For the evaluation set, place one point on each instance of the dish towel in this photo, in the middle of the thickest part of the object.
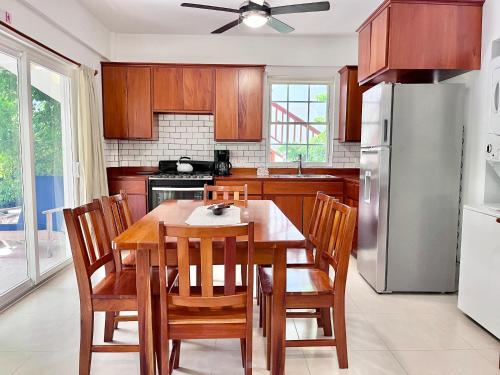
(201, 216)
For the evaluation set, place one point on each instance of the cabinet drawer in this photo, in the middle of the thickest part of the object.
(303, 187)
(254, 187)
(352, 190)
(130, 186)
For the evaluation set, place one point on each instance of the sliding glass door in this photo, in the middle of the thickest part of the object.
(13, 257)
(36, 178)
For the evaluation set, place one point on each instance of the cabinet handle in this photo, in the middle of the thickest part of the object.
(498, 220)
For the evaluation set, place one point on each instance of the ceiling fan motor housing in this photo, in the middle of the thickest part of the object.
(249, 8)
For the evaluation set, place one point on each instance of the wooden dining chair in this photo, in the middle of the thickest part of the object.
(303, 257)
(206, 311)
(312, 288)
(118, 219)
(91, 249)
(238, 195)
(225, 194)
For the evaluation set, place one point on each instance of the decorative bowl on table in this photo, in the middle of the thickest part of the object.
(218, 209)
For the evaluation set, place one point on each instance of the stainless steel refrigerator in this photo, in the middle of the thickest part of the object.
(410, 177)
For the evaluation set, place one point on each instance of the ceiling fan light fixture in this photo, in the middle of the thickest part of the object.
(255, 19)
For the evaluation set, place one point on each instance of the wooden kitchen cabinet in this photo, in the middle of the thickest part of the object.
(183, 89)
(291, 206)
(238, 103)
(127, 102)
(350, 105)
(351, 198)
(420, 41)
(137, 193)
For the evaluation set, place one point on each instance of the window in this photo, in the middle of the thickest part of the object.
(299, 122)
(36, 180)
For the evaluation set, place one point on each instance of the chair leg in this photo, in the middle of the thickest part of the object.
(244, 274)
(327, 321)
(340, 334)
(319, 320)
(109, 326)
(259, 291)
(177, 344)
(116, 321)
(268, 301)
(262, 317)
(86, 338)
(157, 334)
(243, 351)
(248, 355)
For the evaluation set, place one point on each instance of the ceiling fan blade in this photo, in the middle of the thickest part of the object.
(209, 7)
(230, 25)
(301, 8)
(280, 26)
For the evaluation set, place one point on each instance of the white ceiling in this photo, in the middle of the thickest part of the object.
(168, 17)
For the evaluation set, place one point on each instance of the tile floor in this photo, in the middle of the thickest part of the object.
(396, 334)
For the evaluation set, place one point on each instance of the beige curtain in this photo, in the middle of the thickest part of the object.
(93, 181)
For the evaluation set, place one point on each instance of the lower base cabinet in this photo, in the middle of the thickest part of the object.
(137, 194)
(291, 206)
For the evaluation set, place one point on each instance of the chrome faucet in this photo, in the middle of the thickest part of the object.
(299, 173)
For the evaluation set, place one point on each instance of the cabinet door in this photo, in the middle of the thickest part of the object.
(364, 44)
(291, 206)
(114, 96)
(198, 89)
(250, 93)
(167, 89)
(379, 42)
(140, 116)
(226, 104)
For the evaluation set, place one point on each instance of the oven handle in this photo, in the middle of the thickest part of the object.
(177, 189)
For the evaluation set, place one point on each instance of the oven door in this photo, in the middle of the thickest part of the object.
(158, 194)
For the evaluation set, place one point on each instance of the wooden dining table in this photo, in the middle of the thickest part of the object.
(274, 233)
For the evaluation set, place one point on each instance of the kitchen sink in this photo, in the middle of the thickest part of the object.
(301, 175)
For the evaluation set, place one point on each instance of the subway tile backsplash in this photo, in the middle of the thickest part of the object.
(193, 136)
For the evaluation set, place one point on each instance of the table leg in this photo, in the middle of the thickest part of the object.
(278, 313)
(144, 302)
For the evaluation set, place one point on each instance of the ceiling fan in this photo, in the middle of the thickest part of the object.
(257, 13)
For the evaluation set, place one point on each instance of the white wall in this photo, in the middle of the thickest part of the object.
(213, 49)
(64, 26)
(478, 109)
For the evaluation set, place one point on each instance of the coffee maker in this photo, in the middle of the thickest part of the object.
(222, 164)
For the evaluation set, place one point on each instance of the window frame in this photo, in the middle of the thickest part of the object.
(331, 83)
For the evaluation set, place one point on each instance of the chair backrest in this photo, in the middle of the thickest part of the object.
(225, 194)
(319, 218)
(117, 213)
(90, 243)
(223, 236)
(337, 247)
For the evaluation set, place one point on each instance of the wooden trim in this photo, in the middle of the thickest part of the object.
(40, 44)
(387, 3)
(187, 65)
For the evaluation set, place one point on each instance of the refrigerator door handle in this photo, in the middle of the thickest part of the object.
(386, 130)
(368, 187)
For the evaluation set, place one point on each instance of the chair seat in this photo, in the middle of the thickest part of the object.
(123, 284)
(299, 257)
(306, 281)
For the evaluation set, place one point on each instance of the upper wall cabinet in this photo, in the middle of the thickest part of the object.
(350, 103)
(238, 103)
(183, 89)
(127, 102)
(420, 41)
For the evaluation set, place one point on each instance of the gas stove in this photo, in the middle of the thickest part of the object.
(169, 184)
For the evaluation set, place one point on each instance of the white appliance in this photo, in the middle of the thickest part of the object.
(493, 148)
(495, 96)
(411, 148)
(479, 285)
